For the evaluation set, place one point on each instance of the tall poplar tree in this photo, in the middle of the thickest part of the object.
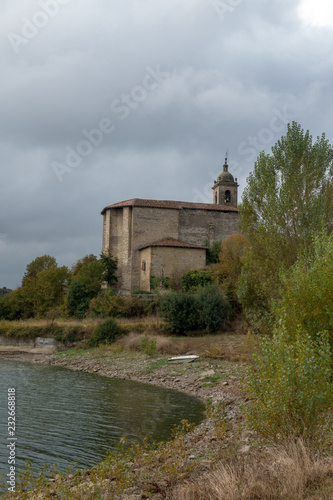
(288, 197)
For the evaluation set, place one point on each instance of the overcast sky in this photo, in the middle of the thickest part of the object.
(107, 100)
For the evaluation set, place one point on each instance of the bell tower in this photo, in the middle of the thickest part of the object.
(225, 188)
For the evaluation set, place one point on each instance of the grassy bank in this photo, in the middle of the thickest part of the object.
(221, 459)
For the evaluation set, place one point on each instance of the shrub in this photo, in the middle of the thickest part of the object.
(229, 267)
(289, 386)
(213, 252)
(212, 307)
(13, 307)
(148, 345)
(307, 290)
(192, 280)
(107, 304)
(105, 333)
(180, 310)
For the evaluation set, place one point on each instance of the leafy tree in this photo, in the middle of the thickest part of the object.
(12, 306)
(43, 285)
(213, 252)
(289, 386)
(89, 274)
(82, 262)
(111, 265)
(307, 291)
(229, 267)
(288, 196)
(38, 265)
(4, 290)
(84, 286)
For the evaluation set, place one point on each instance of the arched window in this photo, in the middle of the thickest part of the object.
(215, 197)
(227, 196)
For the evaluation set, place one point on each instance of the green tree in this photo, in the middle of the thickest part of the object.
(307, 291)
(82, 262)
(84, 286)
(229, 266)
(12, 306)
(288, 196)
(213, 252)
(111, 265)
(38, 265)
(43, 285)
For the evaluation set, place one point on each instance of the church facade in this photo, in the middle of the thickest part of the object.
(167, 238)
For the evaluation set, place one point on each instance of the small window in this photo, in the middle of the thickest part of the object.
(143, 265)
(227, 196)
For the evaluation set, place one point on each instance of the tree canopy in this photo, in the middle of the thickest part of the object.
(288, 197)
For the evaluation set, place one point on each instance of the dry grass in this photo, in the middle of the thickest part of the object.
(164, 345)
(293, 472)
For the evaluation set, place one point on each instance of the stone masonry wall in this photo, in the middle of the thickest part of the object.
(150, 225)
(171, 261)
(128, 229)
(200, 227)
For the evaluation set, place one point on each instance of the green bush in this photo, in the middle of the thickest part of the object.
(105, 333)
(212, 307)
(69, 334)
(148, 345)
(107, 304)
(187, 311)
(307, 290)
(192, 280)
(289, 386)
(180, 310)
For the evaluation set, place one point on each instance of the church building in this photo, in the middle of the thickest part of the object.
(163, 238)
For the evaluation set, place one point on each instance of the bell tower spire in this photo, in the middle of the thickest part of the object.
(225, 187)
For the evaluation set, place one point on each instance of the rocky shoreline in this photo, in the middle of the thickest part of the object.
(212, 380)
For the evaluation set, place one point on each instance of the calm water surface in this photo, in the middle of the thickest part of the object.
(69, 417)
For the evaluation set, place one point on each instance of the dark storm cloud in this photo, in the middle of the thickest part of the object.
(229, 74)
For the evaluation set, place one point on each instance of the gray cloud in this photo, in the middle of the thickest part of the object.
(230, 79)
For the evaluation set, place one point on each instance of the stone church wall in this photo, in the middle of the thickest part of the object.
(150, 225)
(127, 229)
(172, 261)
(202, 227)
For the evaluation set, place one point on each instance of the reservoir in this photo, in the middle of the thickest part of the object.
(68, 417)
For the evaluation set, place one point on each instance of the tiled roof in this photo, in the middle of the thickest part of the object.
(176, 205)
(172, 242)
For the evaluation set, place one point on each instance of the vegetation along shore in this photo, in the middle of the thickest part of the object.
(260, 317)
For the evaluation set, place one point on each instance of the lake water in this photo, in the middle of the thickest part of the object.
(69, 417)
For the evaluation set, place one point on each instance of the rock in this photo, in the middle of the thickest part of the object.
(244, 449)
(207, 373)
(192, 457)
(225, 383)
(246, 436)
